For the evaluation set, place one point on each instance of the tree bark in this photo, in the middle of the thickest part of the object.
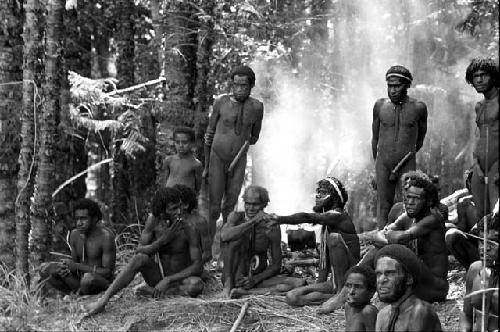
(10, 99)
(125, 75)
(32, 75)
(41, 209)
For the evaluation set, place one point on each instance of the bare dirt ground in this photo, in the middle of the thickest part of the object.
(209, 312)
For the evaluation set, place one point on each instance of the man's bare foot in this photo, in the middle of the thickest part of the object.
(144, 290)
(334, 303)
(236, 293)
(227, 292)
(95, 308)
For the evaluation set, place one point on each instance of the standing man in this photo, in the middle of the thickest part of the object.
(398, 128)
(235, 124)
(483, 75)
(397, 276)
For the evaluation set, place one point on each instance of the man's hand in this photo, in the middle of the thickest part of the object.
(169, 232)
(63, 270)
(391, 236)
(70, 265)
(245, 282)
(161, 288)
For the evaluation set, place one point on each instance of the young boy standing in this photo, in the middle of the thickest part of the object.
(360, 314)
(183, 167)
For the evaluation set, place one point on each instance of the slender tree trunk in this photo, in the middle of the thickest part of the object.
(204, 86)
(10, 99)
(125, 75)
(41, 209)
(181, 28)
(32, 74)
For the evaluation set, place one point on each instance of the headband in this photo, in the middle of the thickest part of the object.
(398, 75)
(337, 189)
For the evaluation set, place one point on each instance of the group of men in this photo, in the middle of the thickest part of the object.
(407, 261)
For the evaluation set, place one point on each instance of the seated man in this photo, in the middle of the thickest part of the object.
(93, 254)
(168, 256)
(245, 241)
(398, 274)
(473, 305)
(190, 214)
(339, 242)
(458, 242)
(398, 208)
(360, 314)
(421, 230)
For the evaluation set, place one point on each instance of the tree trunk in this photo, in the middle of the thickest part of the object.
(41, 210)
(180, 72)
(10, 99)
(125, 75)
(32, 74)
(203, 90)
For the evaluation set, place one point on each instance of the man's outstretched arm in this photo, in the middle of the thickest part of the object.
(328, 219)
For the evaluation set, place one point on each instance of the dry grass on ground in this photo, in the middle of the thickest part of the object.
(209, 312)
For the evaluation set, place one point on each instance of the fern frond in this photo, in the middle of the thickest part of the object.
(82, 120)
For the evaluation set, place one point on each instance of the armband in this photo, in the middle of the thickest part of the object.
(209, 137)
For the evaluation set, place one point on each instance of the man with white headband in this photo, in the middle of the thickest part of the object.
(339, 247)
(398, 130)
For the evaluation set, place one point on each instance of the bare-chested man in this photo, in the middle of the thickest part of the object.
(473, 305)
(459, 243)
(397, 270)
(183, 167)
(421, 230)
(399, 127)
(235, 123)
(245, 241)
(93, 254)
(483, 75)
(168, 256)
(339, 243)
(360, 314)
(190, 214)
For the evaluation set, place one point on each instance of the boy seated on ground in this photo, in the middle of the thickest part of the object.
(360, 314)
(245, 240)
(168, 256)
(182, 167)
(93, 254)
(473, 310)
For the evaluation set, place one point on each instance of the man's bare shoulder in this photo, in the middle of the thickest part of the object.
(422, 310)
(384, 313)
(234, 218)
(106, 233)
(222, 98)
(256, 102)
(369, 310)
(419, 105)
(380, 102)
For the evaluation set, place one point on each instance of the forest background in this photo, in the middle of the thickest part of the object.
(91, 90)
